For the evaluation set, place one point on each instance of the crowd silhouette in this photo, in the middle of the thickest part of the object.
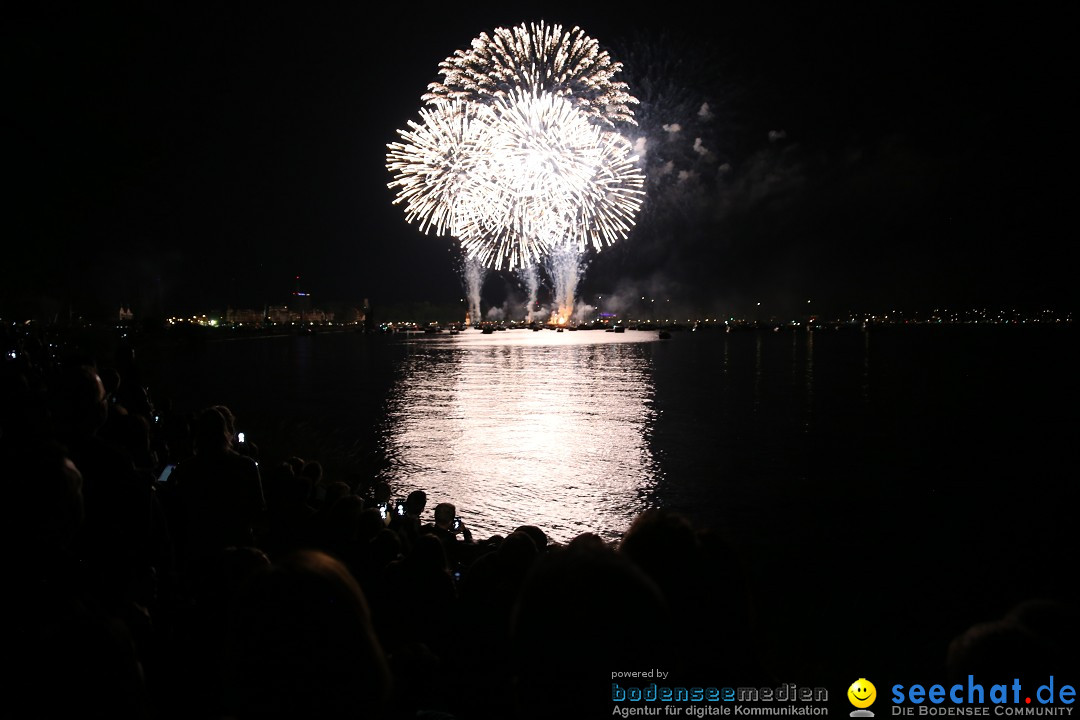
(235, 590)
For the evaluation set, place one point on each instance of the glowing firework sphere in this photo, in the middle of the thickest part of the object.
(537, 58)
(440, 168)
(516, 154)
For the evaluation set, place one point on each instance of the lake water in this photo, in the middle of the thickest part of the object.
(871, 482)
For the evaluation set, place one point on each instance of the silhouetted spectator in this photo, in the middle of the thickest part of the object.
(289, 517)
(43, 506)
(422, 603)
(301, 645)
(575, 594)
(704, 587)
(336, 531)
(190, 687)
(488, 591)
(408, 526)
(383, 549)
(131, 391)
(338, 490)
(238, 441)
(313, 472)
(219, 494)
(538, 536)
(297, 464)
(62, 649)
(175, 430)
(587, 540)
(362, 485)
(423, 595)
(455, 536)
(381, 493)
(110, 380)
(123, 536)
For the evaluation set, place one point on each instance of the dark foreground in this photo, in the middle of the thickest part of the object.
(145, 612)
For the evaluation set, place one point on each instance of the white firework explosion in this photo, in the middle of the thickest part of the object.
(516, 154)
(537, 58)
(561, 181)
(438, 166)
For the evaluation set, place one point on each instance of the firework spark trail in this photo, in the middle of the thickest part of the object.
(564, 269)
(474, 274)
(530, 276)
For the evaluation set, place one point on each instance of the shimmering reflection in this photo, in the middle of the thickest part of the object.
(519, 427)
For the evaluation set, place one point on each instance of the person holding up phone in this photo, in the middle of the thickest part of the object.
(454, 534)
(408, 525)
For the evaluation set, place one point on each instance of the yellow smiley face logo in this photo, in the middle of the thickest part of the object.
(862, 693)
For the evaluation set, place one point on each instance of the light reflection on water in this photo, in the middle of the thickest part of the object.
(519, 427)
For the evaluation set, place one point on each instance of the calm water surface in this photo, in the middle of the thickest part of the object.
(523, 427)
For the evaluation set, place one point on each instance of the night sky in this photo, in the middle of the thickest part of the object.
(182, 157)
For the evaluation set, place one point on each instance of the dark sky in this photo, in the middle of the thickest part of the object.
(180, 157)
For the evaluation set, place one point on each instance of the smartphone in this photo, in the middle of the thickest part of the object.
(240, 437)
(165, 473)
(457, 522)
(401, 509)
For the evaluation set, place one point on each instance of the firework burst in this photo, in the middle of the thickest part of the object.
(516, 154)
(537, 58)
(438, 166)
(554, 179)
